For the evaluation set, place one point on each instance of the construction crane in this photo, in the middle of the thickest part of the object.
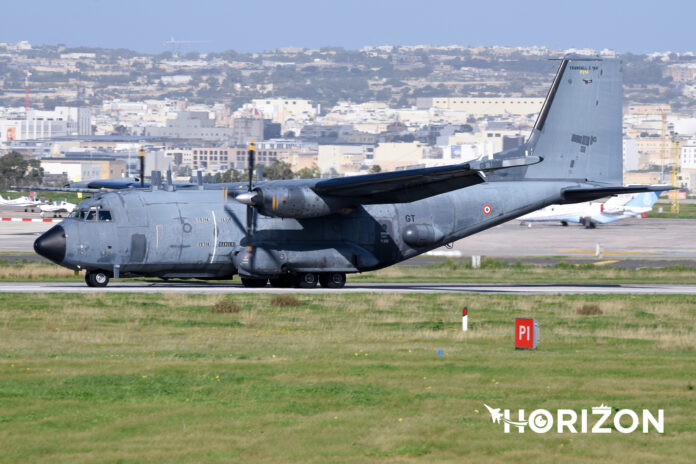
(665, 148)
(27, 74)
(674, 194)
(176, 44)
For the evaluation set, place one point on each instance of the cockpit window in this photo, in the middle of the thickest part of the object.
(93, 214)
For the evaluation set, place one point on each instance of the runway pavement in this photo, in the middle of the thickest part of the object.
(633, 238)
(203, 287)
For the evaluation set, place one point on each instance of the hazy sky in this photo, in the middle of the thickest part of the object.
(636, 26)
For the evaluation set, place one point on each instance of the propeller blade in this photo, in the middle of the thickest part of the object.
(230, 212)
(252, 150)
(142, 167)
(249, 197)
(249, 220)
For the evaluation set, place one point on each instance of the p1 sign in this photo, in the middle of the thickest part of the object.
(526, 333)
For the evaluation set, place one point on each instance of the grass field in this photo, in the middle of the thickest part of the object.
(686, 211)
(447, 271)
(335, 378)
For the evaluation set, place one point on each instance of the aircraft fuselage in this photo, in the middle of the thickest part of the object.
(201, 234)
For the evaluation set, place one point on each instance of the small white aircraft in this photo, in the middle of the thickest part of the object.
(591, 213)
(56, 208)
(21, 201)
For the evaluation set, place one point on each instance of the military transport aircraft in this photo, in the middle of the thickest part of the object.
(300, 232)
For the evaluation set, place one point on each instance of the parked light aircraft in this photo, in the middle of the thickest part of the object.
(591, 213)
(20, 201)
(300, 232)
(56, 208)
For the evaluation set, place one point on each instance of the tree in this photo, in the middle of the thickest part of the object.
(375, 168)
(184, 171)
(13, 168)
(120, 130)
(34, 175)
(309, 173)
(278, 170)
(232, 175)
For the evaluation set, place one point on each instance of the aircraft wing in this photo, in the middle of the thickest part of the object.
(414, 184)
(56, 189)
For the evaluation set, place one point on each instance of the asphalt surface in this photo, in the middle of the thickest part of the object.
(227, 288)
(633, 238)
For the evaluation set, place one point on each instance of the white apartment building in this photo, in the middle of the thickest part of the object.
(480, 106)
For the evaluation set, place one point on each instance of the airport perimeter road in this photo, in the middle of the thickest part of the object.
(198, 287)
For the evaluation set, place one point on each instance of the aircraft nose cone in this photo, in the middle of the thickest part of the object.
(51, 244)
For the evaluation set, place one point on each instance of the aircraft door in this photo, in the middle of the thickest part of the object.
(197, 226)
(386, 247)
(165, 242)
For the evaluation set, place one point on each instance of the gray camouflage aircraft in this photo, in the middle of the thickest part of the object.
(301, 232)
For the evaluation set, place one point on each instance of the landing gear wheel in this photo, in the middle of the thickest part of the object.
(333, 280)
(306, 280)
(253, 283)
(96, 279)
(564, 223)
(282, 281)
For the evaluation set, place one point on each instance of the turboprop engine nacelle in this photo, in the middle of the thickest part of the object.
(291, 202)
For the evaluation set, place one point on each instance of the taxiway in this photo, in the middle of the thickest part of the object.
(208, 287)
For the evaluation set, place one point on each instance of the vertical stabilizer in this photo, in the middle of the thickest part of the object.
(578, 131)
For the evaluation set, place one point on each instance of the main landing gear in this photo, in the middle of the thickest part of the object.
(333, 280)
(96, 278)
(302, 280)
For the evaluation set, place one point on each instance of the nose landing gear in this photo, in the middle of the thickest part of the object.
(96, 279)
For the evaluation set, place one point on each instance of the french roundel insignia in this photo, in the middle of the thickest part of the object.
(487, 209)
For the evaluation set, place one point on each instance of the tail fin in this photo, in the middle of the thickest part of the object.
(578, 131)
(645, 199)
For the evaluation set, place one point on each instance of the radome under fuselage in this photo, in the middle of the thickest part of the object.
(200, 233)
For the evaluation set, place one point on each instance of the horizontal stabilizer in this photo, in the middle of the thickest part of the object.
(579, 195)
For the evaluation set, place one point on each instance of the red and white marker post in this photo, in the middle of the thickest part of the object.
(465, 320)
